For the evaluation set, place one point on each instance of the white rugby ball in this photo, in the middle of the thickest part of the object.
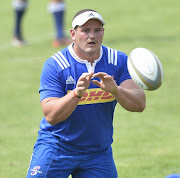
(145, 69)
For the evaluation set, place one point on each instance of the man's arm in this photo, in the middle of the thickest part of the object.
(128, 94)
(57, 109)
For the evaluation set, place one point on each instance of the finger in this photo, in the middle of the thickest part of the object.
(84, 75)
(100, 74)
(95, 82)
(87, 75)
(90, 76)
(80, 83)
(109, 77)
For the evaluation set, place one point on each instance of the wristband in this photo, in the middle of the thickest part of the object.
(76, 95)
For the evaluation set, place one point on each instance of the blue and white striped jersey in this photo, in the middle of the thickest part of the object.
(90, 126)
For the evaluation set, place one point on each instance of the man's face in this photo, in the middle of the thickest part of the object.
(88, 37)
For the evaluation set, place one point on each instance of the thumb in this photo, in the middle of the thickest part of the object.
(90, 75)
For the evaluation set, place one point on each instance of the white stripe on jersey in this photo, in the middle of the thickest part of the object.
(65, 60)
(61, 60)
(109, 59)
(112, 56)
(58, 61)
(115, 60)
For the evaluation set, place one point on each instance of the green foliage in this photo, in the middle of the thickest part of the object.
(146, 145)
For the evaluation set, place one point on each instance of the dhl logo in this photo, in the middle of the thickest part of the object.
(95, 95)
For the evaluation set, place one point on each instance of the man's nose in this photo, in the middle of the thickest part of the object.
(92, 35)
(92, 38)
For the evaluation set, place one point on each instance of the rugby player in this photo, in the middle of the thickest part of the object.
(79, 89)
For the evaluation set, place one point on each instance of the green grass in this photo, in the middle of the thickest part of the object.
(146, 145)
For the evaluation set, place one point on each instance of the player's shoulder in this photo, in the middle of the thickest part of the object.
(110, 50)
(59, 60)
(114, 56)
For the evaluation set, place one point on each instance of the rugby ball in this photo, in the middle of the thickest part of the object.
(145, 68)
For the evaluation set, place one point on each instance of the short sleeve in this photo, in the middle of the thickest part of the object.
(123, 72)
(50, 82)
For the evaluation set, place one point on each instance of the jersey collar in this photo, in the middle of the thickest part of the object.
(71, 50)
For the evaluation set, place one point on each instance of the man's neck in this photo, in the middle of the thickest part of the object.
(90, 57)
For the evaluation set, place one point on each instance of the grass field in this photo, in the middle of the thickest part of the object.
(146, 145)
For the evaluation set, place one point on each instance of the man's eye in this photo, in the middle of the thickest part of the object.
(98, 30)
(86, 30)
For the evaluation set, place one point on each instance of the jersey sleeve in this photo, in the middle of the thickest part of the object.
(124, 73)
(50, 82)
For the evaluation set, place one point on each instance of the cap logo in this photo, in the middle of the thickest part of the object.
(91, 14)
(84, 17)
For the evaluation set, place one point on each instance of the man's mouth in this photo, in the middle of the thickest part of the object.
(92, 43)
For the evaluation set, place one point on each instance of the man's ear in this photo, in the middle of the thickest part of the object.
(73, 34)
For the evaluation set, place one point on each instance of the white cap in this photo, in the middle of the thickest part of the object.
(85, 16)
